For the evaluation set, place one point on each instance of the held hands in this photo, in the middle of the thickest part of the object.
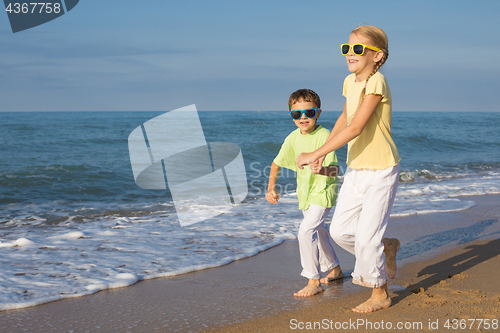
(272, 196)
(316, 166)
(304, 159)
(307, 158)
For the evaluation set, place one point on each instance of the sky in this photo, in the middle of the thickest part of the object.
(158, 55)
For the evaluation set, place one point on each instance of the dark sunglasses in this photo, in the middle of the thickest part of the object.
(357, 49)
(297, 114)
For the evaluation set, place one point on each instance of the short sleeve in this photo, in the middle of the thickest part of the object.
(286, 155)
(377, 85)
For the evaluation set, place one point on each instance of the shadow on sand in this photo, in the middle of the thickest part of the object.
(446, 269)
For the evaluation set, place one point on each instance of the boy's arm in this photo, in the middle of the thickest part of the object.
(271, 195)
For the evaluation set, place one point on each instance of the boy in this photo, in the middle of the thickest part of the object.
(316, 190)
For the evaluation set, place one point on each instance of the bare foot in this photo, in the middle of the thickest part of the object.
(312, 288)
(378, 301)
(391, 248)
(335, 274)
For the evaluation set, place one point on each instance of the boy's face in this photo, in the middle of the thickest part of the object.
(306, 125)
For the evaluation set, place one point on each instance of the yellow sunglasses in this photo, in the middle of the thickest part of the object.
(357, 49)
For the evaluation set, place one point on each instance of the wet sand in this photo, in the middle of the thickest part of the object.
(445, 266)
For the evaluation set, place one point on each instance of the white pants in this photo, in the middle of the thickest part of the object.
(316, 251)
(360, 219)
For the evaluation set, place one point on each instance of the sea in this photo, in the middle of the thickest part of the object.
(73, 221)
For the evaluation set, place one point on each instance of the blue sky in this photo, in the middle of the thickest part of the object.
(114, 55)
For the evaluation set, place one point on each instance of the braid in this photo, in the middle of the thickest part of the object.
(373, 73)
(379, 64)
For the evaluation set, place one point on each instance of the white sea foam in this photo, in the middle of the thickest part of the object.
(70, 235)
(442, 194)
(21, 242)
(74, 259)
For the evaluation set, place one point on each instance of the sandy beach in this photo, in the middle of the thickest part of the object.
(454, 291)
(444, 283)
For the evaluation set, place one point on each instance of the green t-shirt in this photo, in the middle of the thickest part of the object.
(311, 188)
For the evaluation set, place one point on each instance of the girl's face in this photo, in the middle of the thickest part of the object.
(362, 65)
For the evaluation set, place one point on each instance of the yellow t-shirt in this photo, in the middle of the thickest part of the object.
(374, 148)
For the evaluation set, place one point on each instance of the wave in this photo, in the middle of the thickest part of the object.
(440, 172)
(43, 262)
(423, 192)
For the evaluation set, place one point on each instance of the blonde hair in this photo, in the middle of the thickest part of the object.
(378, 38)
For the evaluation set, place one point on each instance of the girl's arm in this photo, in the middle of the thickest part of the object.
(340, 124)
(271, 195)
(344, 135)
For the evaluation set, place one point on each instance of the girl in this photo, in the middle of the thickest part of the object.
(371, 179)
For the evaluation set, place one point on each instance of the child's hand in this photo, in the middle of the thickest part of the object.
(272, 197)
(320, 160)
(304, 159)
(316, 166)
